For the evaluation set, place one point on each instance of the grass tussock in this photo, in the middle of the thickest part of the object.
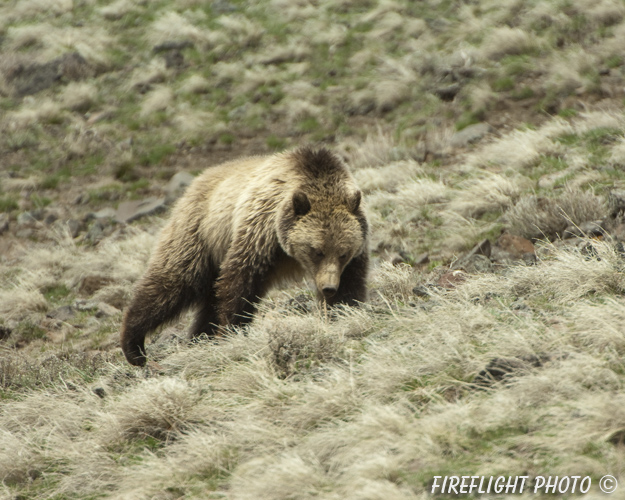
(536, 218)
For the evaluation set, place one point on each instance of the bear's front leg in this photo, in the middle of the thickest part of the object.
(242, 280)
(353, 285)
(238, 292)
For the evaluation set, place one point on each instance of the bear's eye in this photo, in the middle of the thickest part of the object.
(317, 253)
(343, 257)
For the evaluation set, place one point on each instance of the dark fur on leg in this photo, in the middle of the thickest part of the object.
(206, 319)
(156, 301)
(353, 286)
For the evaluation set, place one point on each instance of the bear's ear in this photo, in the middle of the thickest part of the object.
(301, 203)
(354, 201)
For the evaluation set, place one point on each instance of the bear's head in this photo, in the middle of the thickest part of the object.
(323, 236)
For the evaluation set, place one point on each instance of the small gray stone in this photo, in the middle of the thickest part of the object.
(421, 291)
(177, 185)
(590, 228)
(239, 112)
(26, 219)
(470, 134)
(105, 213)
(4, 223)
(62, 313)
(129, 211)
(74, 227)
(50, 218)
(478, 264)
(25, 233)
(529, 259)
(422, 259)
(469, 262)
(95, 232)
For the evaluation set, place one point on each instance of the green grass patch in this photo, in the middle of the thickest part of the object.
(568, 113)
(524, 92)
(614, 61)
(29, 331)
(275, 143)
(503, 84)
(517, 65)
(21, 139)
(156, 153)
(469, 118)
(39, 201)
(8, 203)
(308, 125)
(56, 293)
(227, 138)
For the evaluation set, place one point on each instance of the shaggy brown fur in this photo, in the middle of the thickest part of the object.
(243, 226)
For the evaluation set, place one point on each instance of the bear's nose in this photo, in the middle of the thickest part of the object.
(328, 291)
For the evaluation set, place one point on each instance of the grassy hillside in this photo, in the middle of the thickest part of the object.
(489, 140)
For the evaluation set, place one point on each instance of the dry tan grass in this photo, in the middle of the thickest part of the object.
(79, 96)
(31, 8)
(195, 84)
(534, 217)
(506, 41)
(241, 30)
(52, 41)
(159, 99)
(298, 404)
(388, 177)
(37, 110)
(476, 197)
(117, 9)
(173, 26)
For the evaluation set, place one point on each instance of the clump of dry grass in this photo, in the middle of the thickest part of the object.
(387, 177)
(37, 111)
(162, 409)
(492, 192)
(195, 84)
(159, 99)
(52, 41)
(154, 72)
(535, 217)
(302, 344)
(117, 10)
(506, 41)
(395, 283)
(173, 26)
(378, 149)
(79, 96)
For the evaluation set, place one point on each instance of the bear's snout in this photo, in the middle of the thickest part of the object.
(328, 279)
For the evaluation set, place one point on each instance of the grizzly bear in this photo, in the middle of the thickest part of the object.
(243, 226)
